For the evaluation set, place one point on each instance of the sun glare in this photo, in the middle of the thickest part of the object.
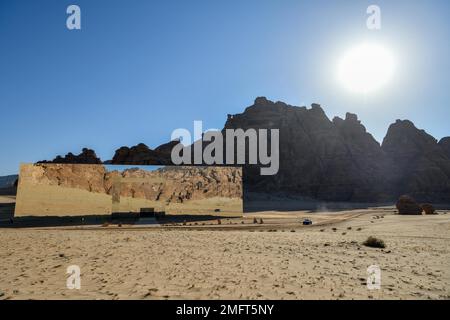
(366, 68)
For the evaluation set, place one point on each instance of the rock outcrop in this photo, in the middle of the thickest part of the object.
(143, 155)
(408, 206)
(87, 156)
(419, 167)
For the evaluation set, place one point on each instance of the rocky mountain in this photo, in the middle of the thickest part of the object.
(334, 160)
(8, 184)
(8, 181)
(321, 159)
(339, 161)
(421, 166)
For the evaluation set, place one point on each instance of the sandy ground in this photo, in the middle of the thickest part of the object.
(275, 260)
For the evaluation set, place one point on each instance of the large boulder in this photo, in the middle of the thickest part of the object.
(428, 208)
(407, 205)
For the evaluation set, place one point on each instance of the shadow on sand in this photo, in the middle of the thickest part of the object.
(101, 220)
(286, 205)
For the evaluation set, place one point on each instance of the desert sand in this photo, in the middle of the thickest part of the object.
(280, 259)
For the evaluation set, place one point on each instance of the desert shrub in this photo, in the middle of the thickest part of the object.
(374, 243)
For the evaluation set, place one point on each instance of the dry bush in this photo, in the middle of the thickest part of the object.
(373, 242)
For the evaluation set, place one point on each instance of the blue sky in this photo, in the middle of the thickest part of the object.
(137, 70)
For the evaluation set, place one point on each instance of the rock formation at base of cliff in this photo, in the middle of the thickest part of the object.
(408, 206)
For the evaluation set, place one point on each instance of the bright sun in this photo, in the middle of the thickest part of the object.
(366, 68)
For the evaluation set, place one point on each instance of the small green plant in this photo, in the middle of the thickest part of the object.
(374, 243)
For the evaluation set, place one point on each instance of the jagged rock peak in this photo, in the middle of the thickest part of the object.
(403, 134)
(351, 117)
(262, 101)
